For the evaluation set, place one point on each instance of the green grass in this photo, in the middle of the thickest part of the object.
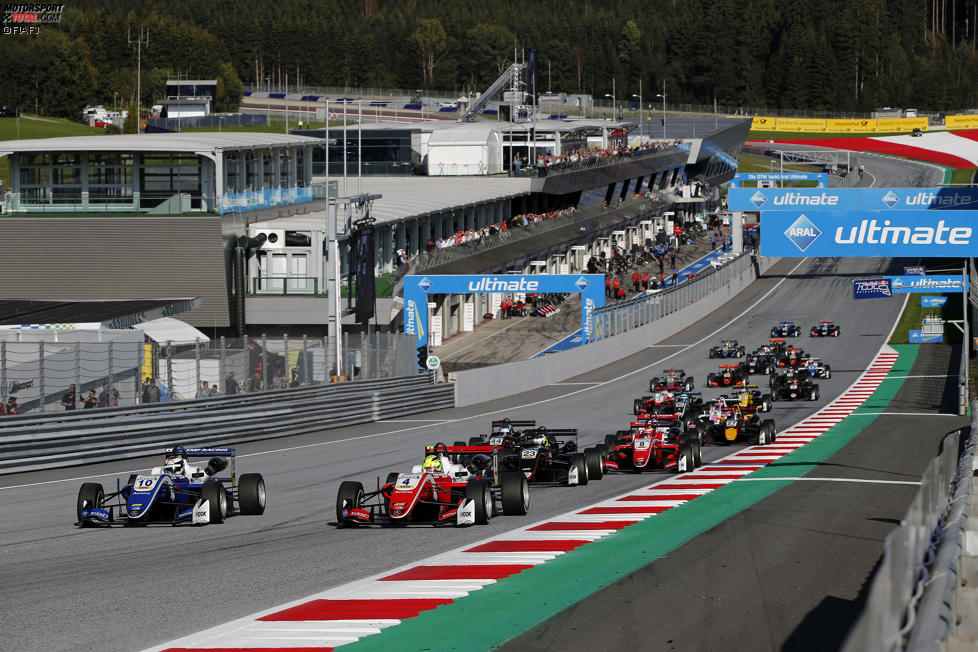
(963, 177)
(913, 315)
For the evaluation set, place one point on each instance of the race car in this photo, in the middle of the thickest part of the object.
(658, 402)
(659, 443)
(826, 328)
(672, 379)
(457, 485)
(728, 423)
(728, 349)
(792, 357)
(791, 385)
(728, 375)
(786, 329)
(548, 456)
(815, 367)
(176, 492)
(757, 363)
(751, 398)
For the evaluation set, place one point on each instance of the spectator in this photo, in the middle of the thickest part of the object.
(91, 400)
(256, 384)
(645, 279)
(295, 377)
(636, 282)
(230, 384)
(214, 390)
(68, 400)
(13, 407)
(675, 277)
(204, 391)
(108, 396)
(151, 393)
(714, 241)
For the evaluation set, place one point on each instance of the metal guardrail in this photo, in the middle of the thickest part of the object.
(31, 443)
(620, 317)
(908, 605)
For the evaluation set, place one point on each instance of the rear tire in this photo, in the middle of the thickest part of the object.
(577, 461)
(766, 401)
(476, 441)
(595, 465)
(90, 495)
(610, 441)
(350, 496)
(828, 372)
(604, 452)
(251, 494)
(697, 454)
(515, 493)
(685, 454)
(213, 492)
(478, 491)
(814, 394)
(636, 406)
(460, 443)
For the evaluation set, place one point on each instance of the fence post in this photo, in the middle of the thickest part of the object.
(40, 373)
(325, 359)
(264, 362)
(111, 376)
(169, 369)
(77, 375)
(305, 349)
(3, 373)
(220, 367)
(288, 372)
(197, 366)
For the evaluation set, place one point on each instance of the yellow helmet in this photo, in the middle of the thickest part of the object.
(432, 464)
(745, 399)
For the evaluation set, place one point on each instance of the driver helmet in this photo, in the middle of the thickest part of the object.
(745, 400)
(505, 429)
(432, 464)
(540, 436)
(174, 462)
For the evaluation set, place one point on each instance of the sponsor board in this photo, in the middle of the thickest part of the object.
(898, 234)
(917, 337)
(914, 271)
(860, 126)
(416, 289)
(821, 178)
(933, 302)
(851, 199)
(961, 122)
(872, 288)
(908, 284)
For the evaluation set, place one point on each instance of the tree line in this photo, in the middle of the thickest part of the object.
(834, 55)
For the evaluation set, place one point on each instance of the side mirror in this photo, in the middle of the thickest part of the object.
(215, 465)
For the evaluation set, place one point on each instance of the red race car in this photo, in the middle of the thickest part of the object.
(729, 375)
(456, 485)
(656, 443)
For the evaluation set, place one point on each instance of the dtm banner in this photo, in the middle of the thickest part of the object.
(417, 289)
(872, 288)
(918, 337)
(852, 199)
(868, 234)
(918, 284)
(933, 302)
(822, 178)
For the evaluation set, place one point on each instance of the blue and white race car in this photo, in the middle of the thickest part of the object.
(786, 329)
(177, 492)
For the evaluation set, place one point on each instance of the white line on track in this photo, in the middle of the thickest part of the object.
(552, 384)
(658, 362)
(903, 414)
(931, 376)
(411, 420)
(807, 479)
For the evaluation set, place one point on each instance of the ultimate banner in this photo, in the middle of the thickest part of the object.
(852, 199)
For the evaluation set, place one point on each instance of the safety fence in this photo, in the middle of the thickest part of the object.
(30, 443)
(650, 306)
(909, 601)
(37, 368)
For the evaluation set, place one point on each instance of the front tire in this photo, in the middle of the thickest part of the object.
(515, 493)
(814, 394)
(577, 461)
(478, 491)
(684, 458)
(251, 494)
(476, 441)
(828, 372)
(595, 465)
(90, 495)
(697, 454)
(350, 496)
(213, 492)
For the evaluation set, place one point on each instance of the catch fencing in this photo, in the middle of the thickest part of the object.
(909, 599)
(624, 316)
(37, 367)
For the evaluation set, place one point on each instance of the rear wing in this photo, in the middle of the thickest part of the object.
(562, 433)
(826, 321)
(786, 322)
(515, 424)
(776, 339)
(749, 386)
(204, 452)
(729, 366)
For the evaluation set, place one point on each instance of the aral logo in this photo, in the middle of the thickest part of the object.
(424, 284)
(581, 283)
(890, 199)
(758, 199)
(803, 233)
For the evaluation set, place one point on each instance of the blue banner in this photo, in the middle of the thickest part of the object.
(868, 234)
(917, 337)
(852, 199)
(933, 302)
(821, 177)
(908, 284)
(872, 288)
(253, 199)
(914, 271)
(417, 288)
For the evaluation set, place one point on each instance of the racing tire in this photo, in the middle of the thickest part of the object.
(697, 454)
(711, 354)
(595, 465)
(814, 395)
(460, 443)
(710, 379)
(684, 458)
(479, 493)
(515, 491)
(476, 441)
(766, 401)
(90, 495)
(636, 405)
(772, 430)
(604, 452)
(837, 332)
(213, 492)
(653, 383)
(251, 494)
(828, 372)
(621, 435)
(690, 384)
(350, 495)
(578, 461)
(611, 441)
(762, 436)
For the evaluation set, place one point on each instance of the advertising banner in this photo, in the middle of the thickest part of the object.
(763, 124)
(872, 288)
(917, 337)
(850, 126)
(961, 121)
(416, 289)
(916, 284)
(811, 125)
(869, 234)
(914, 271)
(822, 178)
(933, 302)
(902, 124)
(852, 199)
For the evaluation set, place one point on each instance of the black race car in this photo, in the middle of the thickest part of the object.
(728, 375)
(792, 357)
(545, 455)
(728, 349)
(672, 379)
(786, 329)
(826, 328)
(758, 363)
(727, 422)
(793, 385)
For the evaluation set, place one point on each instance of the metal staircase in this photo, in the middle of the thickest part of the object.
(476, 107)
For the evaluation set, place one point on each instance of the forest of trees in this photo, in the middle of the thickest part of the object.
(835, 55)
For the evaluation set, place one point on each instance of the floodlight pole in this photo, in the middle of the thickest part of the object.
(139, 72)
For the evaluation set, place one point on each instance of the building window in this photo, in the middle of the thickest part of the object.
(267, 171)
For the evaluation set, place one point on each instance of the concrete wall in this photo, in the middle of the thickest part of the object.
(487, 383)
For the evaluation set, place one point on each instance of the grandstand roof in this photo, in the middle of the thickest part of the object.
(196, 141)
